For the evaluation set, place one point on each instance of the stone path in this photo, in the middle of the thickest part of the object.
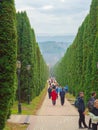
(57, 117)
(48, 109)
(51, 117)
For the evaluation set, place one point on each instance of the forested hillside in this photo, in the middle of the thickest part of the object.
(54, 47)
(78, 68)
(52, 51)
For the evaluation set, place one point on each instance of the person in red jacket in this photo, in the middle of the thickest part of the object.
(54, 96)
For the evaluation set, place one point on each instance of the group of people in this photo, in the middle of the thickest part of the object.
(92, 106)
(54, 90)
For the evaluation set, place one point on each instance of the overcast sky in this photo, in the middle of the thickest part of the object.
(55, 16)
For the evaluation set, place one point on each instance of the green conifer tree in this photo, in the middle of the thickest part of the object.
(7, 58)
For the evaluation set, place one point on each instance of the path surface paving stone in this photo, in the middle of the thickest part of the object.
(51, 117)
(56, 117)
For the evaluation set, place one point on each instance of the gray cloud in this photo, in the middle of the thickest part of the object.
(55, 16)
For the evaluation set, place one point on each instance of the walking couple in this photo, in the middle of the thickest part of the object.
(54, 96)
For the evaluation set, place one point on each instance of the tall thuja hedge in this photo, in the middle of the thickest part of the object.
(25, 53)
(40, 71)
(7, 58)
(28, 53)
(37, 65)
(78, 67)
(40, 68)
(94, 30)
(44, 72)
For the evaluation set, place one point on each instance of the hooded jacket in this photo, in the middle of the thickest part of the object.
(53, 95)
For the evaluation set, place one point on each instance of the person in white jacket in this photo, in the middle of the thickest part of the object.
(94, 115)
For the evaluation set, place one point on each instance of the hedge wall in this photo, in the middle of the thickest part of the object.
(8, 56)
(78, 67)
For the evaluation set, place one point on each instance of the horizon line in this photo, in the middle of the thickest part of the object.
(50, 34)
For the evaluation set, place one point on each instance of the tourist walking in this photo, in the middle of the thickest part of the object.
(53, 96)
(90, 106)
(62, 96)
(49, 91)
(81, 110)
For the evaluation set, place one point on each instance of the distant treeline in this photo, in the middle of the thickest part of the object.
(79, 66)
(18, 42)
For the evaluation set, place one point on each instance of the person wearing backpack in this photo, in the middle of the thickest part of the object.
(81, 110)
(76, 103)
(90, 106)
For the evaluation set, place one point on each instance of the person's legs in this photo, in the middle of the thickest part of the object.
(80, 119)
(53, 102)
(90, 123)
(83, 121)
(49, 95)
(80, 125)
(94, 126)
(62, 101)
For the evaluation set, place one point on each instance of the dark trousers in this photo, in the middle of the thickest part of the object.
(94, 126)
(90, 123)
(49, 94)
(62, 100)
(53, 102)
(82, 119)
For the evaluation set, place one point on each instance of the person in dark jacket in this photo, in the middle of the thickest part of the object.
(94, 115)
(81, 110)
(90, 106)
(62, 96)
(49, 91)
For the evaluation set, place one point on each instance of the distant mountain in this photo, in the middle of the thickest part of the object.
(66, 38)
(54, 47)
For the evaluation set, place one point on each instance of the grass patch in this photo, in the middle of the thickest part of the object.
(13, 126)
(70, 98)
(32, 108)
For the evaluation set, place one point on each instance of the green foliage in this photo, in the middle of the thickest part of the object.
(34, 105)
(7, 58)
(29, 53)
(78, 67)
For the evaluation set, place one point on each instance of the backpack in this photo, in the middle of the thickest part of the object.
(76, 103)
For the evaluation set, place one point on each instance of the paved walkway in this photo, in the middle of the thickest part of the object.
(51, 117)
